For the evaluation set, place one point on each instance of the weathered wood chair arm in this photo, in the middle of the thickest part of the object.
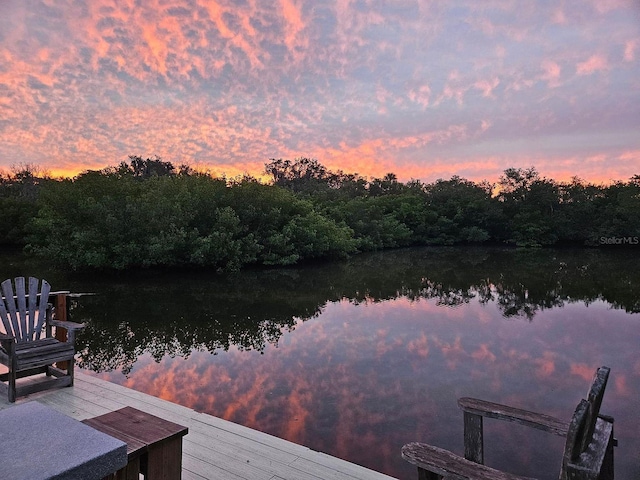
(451, 466)
(6, 341)
(70, 327)
(7, 344)
(516, 415)
(5, 338)
(67, 325)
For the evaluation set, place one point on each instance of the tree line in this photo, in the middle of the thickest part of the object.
(147, 212)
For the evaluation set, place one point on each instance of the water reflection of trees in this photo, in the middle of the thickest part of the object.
(175, 314)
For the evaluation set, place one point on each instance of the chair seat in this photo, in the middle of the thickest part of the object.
(43, 342)
(42, 352)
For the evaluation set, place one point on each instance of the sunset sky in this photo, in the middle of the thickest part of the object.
(424, 89)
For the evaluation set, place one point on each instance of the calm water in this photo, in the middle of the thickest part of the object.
(357, 358)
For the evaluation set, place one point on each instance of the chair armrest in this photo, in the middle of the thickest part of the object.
(516, 415)
(67, 325)
(7, 343)
(451, 466)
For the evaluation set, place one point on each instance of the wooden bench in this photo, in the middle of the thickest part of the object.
(154, 445)
(588, 453)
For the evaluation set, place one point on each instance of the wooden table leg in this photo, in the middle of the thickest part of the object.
(163, 460)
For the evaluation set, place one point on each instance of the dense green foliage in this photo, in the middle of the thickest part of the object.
(148, 213)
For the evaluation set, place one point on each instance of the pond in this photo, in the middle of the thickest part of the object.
(355, 358)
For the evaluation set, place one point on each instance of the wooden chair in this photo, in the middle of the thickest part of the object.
(588, 453)
(26, 315)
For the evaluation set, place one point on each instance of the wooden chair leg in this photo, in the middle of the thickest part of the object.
(70, 365)
(607, 472)
(12, 383)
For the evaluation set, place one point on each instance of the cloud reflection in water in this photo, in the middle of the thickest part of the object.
(361, 379)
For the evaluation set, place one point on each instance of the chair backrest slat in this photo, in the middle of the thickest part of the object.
(42, 308)
(10, 302)
(4, 314)
(594, 398)
(33, 299)
(577, 430)
(24, 312)
(21, 299)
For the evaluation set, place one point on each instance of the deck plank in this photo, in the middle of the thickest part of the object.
(214, 449)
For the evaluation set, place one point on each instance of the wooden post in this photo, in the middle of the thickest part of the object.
(61, 315)
(473, 443)
(427, 475)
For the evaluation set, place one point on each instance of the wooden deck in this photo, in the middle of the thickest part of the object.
(214, 448)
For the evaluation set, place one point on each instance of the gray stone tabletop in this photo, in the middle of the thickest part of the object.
(38, 443)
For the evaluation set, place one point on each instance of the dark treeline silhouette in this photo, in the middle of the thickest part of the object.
(147, 212)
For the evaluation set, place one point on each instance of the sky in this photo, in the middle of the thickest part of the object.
(425, 89)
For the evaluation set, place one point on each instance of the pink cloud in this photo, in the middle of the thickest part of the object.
(419, 346)
(483, 354)
(493, 29)
(485, 125)
(551, 73)
(296, 43)
(227, 85)
(558, 16)
(487, 86)
(421, 95)
(622, 387)
(593, 64)
(235, 38)
(605, 7)
(630, 50)
(451, 92)
(545, 366)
